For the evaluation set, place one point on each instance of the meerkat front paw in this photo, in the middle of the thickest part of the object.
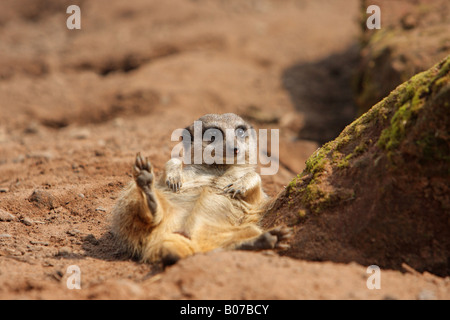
(174, 174)
(235, 189)
(173, 181)
(143, 175)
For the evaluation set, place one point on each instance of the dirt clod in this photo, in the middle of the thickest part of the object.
(43, 199)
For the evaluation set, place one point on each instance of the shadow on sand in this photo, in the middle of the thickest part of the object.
(322, 92)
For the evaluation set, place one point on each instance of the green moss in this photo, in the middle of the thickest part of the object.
(441, 83)
(391, 137)
(409, 104)
(411, 99)
(301, 213)
(315, 163)
(317, 199)
(292, 186)
(314, 197)
(344, 163)
(362, 147)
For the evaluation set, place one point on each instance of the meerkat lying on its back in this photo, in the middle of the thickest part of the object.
(197, 207)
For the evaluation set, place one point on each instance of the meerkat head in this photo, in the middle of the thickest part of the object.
(220, 139)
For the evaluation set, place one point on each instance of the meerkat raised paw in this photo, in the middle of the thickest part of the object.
(143, 175)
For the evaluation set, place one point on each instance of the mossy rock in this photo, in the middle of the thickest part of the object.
(380, 192)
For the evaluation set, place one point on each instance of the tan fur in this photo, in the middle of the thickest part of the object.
(193, 208)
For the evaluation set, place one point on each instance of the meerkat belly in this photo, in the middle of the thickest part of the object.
(198, 207)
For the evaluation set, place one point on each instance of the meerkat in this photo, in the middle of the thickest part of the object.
(197, 207)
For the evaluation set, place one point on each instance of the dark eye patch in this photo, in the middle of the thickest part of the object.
(241, 131)
(212, 133)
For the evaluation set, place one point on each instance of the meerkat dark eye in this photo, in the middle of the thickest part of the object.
(240, 132)
(212, 134)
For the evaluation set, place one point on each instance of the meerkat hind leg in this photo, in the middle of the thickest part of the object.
(143, 175)
(271, 239)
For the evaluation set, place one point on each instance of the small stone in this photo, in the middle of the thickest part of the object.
(32, 128)
(81, 196)
(100, 209)
(73, 232)
(47, 263)
(11, 252)
(426, 295)
(4, 190)
(409, 22)
(6, 216)
(27, 221)
(80, 134)
(99, 153)
(101, 143)
(40, 243)
(118, 122)
(64, 251)
(5, 236)
(46, 155)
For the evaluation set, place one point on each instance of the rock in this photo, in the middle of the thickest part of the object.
(46, 155)
(27, 221)
(6, 216)
(4, 190)
(426, 295)
(100, 209)
(409, 21)
(41, 243)
(5, 236)
(80, 134)
(43, 199)
(11, 252)
(32, 128)
(64, 251)
(73, 232)
(367, 195)
(99, 153)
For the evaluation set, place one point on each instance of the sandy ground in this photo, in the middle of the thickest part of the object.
(76, 106)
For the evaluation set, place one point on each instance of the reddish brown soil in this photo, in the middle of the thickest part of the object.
(76, 106)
